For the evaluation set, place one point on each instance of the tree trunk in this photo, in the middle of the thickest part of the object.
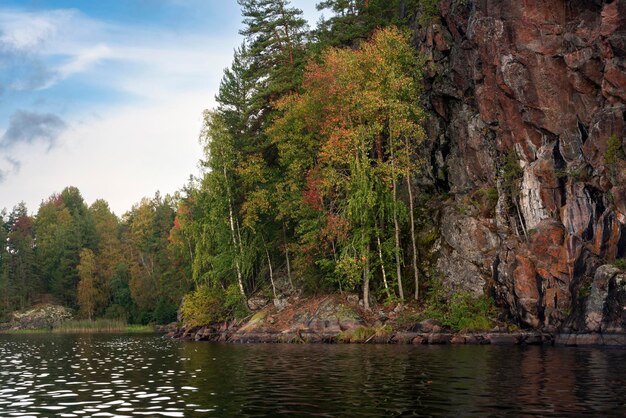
(190, 249)
(237, 247)
(269, 263)
(396, 224)
(366, 279)
(398, 261)
(382, 265)
(412, 218)
(397, 242)
(287, 257)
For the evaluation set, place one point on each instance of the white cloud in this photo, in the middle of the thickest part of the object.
(69, 43)
(129, 150)
(83, 60)
(32, 46)
(121, 156)
(24, 30)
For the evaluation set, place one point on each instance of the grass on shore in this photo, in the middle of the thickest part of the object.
(364, 334)
(86, 326)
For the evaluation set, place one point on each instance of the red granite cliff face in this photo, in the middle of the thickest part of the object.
(542, 83)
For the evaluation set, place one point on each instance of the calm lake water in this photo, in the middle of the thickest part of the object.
(145, 375)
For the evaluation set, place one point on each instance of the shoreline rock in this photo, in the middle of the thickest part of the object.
(224, 333)
(46, 316)
(332, 319)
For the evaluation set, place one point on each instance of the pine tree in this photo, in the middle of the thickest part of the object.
(353, 21)
(23, 282)
(234, 97)
(275, 34)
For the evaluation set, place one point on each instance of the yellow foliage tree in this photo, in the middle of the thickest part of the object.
(88, 292)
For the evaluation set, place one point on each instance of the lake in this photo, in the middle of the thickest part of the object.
(146, 375)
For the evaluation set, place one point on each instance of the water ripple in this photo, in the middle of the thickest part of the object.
(117, 375)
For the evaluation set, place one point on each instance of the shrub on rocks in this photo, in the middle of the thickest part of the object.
(460, 311)
(207, 305)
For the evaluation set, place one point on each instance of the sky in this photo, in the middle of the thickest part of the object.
(107, 96)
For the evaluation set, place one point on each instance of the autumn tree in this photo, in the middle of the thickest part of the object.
(309, 174)
(107, 230)
(89, 293)
(181, 246)
(142, 241)
(108, 249)
(350, 139)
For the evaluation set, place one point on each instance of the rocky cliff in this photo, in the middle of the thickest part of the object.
(528, 105)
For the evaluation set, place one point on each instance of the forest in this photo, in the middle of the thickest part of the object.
(309, 183)
(86, 257)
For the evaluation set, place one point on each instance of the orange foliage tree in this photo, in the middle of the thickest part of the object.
(347, 142)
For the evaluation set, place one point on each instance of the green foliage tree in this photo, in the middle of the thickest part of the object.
(146, 237)
(222, 243)
(107, 230)
(142, 238)
(202, 306)
(132, 270)
(235, 96)
(63, 227)
(74, 202)
(165, 312)
(121, 305)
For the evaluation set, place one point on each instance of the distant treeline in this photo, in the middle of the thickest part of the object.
(86, 257)
(309, 176)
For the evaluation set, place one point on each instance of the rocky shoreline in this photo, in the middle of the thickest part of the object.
(224, 333)
(332, 319)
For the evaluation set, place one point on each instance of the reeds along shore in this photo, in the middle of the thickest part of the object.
(87, 326)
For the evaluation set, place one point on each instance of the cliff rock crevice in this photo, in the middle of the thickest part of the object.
(543, 84)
